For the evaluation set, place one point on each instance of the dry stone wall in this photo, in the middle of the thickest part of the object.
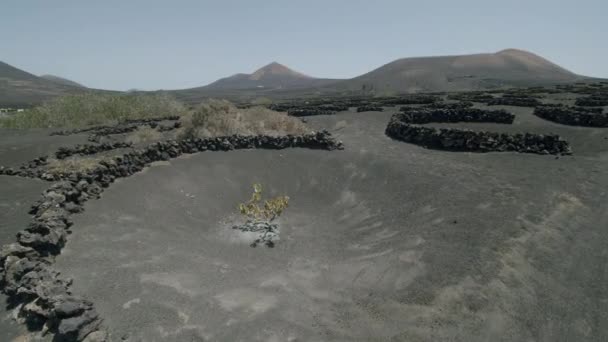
(40, 294)
(402, 128)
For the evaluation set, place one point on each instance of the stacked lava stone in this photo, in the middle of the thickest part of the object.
(575, 116)
(402, 127)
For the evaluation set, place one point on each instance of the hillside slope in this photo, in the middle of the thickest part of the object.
(20, 88)
(61, 80)
(509, 67)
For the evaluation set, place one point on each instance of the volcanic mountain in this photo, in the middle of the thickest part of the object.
(61, 80)
(20, 88)
(271, 76)
(484, 71)
(510, 67)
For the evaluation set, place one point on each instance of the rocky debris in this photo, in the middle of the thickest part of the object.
(175, 125)
(594, 100)
(168, 149)
(328, 105)
(466, 114)
(83, 150)
(312, 107)
(369, 109)
(24, 171)
(574, 116)
(283, 107)
(528, 97)
(408, 100)
(592, 110)
(17, 250)
(465, 140)
(96, 137)
(104, 127)
(472, 96)
(78, 131)
(126, 126)
(74, 319)
(9, 171)
(532, 93)
(336, 107)
(28, 170)
(153, 120)
(345, 103)
(26, 275)
(583, 88)
(454, 105)
(268, 232)
(520, 101)
(41, 161)
(310, 112)
(44, 298)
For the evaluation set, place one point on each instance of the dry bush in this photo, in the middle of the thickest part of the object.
(76, 165)
(143, 134)
(219, 117)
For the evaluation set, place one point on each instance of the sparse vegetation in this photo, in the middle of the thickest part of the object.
(262, 101)
(94, 109)
(383, 93)
(219, 117)
(76, 165)
(271, 209)
(143, 134)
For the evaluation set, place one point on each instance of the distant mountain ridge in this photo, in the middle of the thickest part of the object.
(483, 71)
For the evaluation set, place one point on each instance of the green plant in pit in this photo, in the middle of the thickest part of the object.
(270, 210)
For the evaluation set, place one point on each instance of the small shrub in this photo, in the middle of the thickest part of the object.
(144, 134)
(271, 209)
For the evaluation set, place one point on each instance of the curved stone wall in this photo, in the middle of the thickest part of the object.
(40, 294)
(450, 139)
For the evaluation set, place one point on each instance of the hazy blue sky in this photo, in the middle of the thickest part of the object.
(176, 44)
